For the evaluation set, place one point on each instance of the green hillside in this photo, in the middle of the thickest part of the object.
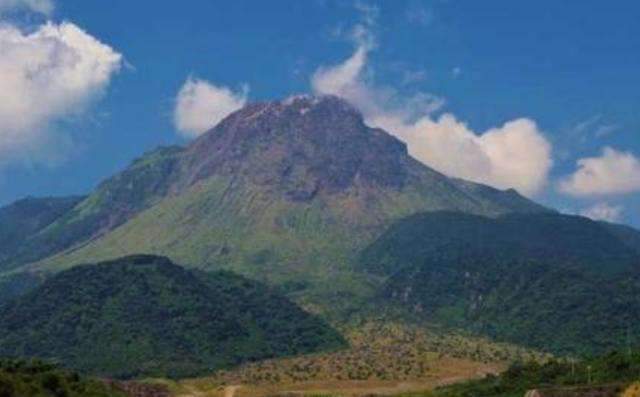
(72, 221)
(144, 316)
(626, 234)
(24, 219)
(556, 283)
(549, 238)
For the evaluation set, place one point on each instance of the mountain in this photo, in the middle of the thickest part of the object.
(302, 195)
(554, 282)
(295, 186)
(145, 316)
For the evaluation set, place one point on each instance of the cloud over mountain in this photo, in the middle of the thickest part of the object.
(50, 73)
(200, 105)
(613, 172)
(514, 155)
(603, 212)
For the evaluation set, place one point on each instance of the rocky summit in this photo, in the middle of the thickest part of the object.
(303, 146)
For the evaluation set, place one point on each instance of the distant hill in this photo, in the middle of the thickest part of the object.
(22, 220)
(548, 237)
(557, 283)
(144, 316)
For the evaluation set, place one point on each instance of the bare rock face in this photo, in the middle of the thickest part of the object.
(304, 145)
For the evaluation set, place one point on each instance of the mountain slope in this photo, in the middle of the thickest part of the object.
(551, 238)
(80, 220)
(543, 306)
(295, 186)
(626, 234)
(144, 316)
(554, 282)
(23, 219)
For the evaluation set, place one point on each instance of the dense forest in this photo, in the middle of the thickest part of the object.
(145, 316)
(563, 240)
(556, 283)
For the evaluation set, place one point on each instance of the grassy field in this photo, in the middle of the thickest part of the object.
(383, 359)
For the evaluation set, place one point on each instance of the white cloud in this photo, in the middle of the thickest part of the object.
(603, 212)
(46, 75)
(613, 172)
(201, 105)
(44, 7)
(515, 155)
(344, 79)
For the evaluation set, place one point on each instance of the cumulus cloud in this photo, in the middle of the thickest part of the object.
(514, 155)
(44, 7)
(201, 105)
(45, 76)
(603, 212)
(613, 172)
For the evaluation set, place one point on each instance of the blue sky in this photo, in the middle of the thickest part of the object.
(569, 68)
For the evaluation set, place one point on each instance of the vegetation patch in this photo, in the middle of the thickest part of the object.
(144, 316)
(35, 378)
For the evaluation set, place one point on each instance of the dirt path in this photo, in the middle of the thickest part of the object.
(230, 391)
